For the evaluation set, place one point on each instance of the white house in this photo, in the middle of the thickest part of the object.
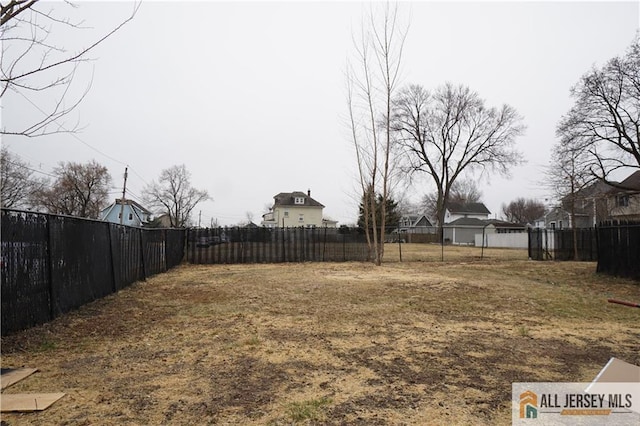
(133, 214)
(457, 211)
(292, 209)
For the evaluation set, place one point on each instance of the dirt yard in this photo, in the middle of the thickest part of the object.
(417, 342)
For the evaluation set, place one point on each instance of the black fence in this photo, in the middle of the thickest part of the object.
(619, 249)
(558, 244)
(53, 264)
(614, 245)
(275, 245)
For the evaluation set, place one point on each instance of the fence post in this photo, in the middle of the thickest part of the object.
(111, 254)
(142, 264)
(50, 270)
(324, 243)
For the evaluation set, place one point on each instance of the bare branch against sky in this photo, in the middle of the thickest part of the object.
(33, 62)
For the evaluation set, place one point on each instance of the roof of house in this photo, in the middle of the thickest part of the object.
(135, 207)
(415, 220)
(590, 192)
(502, 224)
(559, 212)
(474, 208)
(632, 182)
(466, 221)
(119, 202)
(289, 198)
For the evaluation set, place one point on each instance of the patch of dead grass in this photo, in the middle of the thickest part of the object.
(421, 342)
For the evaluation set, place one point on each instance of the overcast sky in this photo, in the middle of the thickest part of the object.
(250, 96)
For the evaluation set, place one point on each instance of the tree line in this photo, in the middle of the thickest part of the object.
(82, 189)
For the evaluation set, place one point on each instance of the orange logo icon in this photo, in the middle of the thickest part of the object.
(528, 405)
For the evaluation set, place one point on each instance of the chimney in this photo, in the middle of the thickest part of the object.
(308, 192)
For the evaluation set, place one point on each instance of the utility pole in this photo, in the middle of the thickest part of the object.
(199, 218)
(124, 194)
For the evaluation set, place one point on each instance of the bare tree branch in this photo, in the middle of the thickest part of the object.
(30, 63)
(605, 118)
(174, 195)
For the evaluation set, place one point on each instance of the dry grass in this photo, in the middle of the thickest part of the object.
(420, 342)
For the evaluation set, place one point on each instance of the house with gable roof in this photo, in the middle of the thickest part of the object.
(126, 212)
(456, 211)
(463, 221)
(595, 203)
(292, 209)
(415, 224)
(623, 200)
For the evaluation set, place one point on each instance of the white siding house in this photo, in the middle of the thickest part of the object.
(293, 209)
(133, 214)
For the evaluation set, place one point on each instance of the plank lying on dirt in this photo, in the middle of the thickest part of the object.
(11, 376)
(618, 371)
(28, 401)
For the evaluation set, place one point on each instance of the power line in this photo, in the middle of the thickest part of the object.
(29, 168)
(75, 136)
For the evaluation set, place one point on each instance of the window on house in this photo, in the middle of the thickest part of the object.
(130, 216)
(299, 200)
(301, 218)
(623, 201)
(286, 213)
(560, 224)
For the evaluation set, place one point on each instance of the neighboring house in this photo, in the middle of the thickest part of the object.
(133, 214)
(496, 226)
(463, 230)
(590, 204)
(624, 204)
(164, 220)
(329, 223)
(596, 203)
(560, 218)
(416, 225)
(292, 209)
(457, 211)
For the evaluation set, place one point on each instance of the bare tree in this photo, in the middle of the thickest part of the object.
(31, 62)
(371, 88)
(174, 195)
(523, 210)
(451, 131)
(78, 190)
(17, 181)
(463, 191)
(569, 173)
(605, 118)
(249, 215)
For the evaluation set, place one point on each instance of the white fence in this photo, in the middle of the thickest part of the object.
(515, 240)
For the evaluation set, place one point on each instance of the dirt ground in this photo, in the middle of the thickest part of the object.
(417, 342)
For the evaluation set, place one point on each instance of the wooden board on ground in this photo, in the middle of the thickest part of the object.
(11, 376)
(28, 401)
(617, 371)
